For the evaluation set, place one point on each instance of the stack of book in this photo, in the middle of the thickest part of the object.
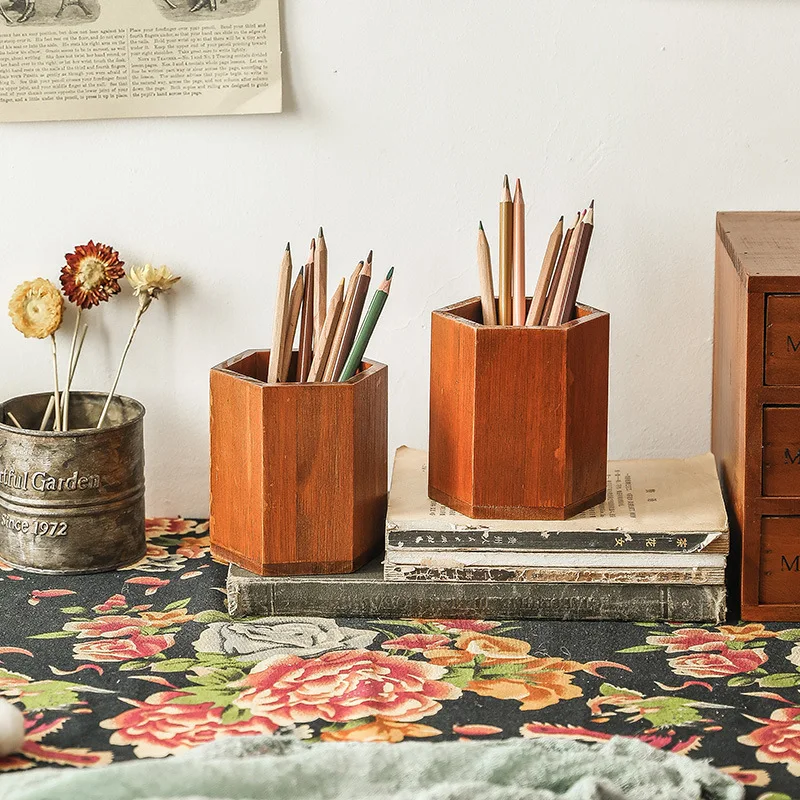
(658, 543)
(655, 550)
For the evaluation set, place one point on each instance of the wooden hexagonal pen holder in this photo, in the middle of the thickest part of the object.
(518, 415)
(298, 470)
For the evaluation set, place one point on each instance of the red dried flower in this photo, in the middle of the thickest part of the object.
(91, 274)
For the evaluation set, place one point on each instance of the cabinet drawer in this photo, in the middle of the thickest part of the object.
(780, 454)
(782, 340)
(779, 581)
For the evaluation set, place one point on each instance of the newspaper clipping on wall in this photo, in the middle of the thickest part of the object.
(96, 59)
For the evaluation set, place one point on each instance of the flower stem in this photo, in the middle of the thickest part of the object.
(51, 405)
(72, 360)
(56, 397)
(137, 319)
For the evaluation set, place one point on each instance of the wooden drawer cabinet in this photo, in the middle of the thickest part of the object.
(782, 340)
(755, 431)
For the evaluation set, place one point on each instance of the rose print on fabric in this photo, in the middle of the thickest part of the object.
(264, 638)
(146, 663)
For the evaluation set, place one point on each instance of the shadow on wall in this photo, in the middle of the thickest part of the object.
(193, 10)
(48, 12)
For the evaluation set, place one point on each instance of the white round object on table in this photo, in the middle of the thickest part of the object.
(12, 728)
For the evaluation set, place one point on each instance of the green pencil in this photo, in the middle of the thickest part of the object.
(367, 327)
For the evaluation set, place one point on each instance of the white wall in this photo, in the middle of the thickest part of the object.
(400, 120)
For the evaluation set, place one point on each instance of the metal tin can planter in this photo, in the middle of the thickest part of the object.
(72, 502)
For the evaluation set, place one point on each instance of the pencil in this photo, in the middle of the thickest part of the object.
(367, 328)
(327, 375)
(563, 281)
(505, 316)
(304, 353)
(353, 319)
(546, 273)
(325, 340)
(320, 285)
(295, 301)
(562, 256)
(576, 273)
(281, 311)
(485, 277)
(518, 256)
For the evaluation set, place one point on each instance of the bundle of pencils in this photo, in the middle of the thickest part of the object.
(556, 292)
(333, 339)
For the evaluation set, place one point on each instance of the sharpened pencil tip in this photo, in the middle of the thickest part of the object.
(389, 274)
(313, 244)
(480, 225)
(288, 247)
(320, 235)
(369, 257)
(591, 205)
(505, 181)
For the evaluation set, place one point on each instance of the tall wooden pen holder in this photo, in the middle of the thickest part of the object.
(518, 415)
(298, 470)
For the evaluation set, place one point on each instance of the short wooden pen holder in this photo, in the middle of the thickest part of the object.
(518, 415)
(298, 470)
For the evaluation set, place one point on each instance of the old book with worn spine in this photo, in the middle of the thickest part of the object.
(651, 506)
(420, 565)
(663, 522)
(366, 593)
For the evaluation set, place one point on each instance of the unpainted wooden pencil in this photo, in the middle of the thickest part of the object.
(304, 353)
(337, 337)
(485, 277)
(281, 312)
(320, 284)
(564, 279)
(505, 248)
(571, 297)
(545, 275)
(518, 297)
(295, 303)
(353, 319)
(559, 271)
(325, 339)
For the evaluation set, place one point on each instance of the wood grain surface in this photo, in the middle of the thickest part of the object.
(780, 560)
(757, 291)
(781, 452)
(518, 415)
(298, 471)
(782, 340)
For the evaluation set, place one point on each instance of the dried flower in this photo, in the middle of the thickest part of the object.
(91, 274)
(149, 282)
(35, 308)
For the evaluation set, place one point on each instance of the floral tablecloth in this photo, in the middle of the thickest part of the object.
(145, 663)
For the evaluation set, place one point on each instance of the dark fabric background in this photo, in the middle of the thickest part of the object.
(144, 662)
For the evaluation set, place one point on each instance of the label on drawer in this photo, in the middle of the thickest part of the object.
(780, 455)
(780, 560)
(782, 340)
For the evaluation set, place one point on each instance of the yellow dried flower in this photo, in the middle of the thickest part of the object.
(35, 308)
(149, 282)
